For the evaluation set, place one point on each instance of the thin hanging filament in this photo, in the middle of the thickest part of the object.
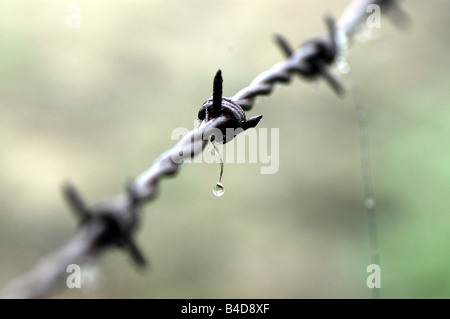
(369, 198)
(220, 158)
(218, 189)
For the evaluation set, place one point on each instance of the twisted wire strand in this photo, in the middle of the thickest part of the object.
(298, 61)
(112, 222)
(122, 211)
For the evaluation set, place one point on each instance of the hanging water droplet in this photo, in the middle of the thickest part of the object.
(342, 65)
(369, 203)
(361, 115)
(218, 189)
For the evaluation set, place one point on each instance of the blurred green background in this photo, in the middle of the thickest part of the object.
(96, 105)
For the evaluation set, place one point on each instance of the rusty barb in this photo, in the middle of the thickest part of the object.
(112, 222)
(322, 54)
(118, 232)
(218, 105)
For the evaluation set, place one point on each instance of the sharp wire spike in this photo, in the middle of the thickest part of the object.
(284, 45)
(75, 201)
(135, 253)
(332, 30)
(332, 80)
(398, 17)
(217, 94)
(252, 122)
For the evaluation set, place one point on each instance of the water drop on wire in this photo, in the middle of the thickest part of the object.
(369, 203)
(218, 189)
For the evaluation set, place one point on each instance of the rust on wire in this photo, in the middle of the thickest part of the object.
(323, 52)
(218, 105)
(112, 222)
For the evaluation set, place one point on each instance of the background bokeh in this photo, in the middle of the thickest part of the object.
(96, 105)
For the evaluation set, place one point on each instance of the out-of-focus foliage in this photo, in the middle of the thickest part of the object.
(96, 105)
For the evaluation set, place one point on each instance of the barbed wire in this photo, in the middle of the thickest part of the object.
(112, 222)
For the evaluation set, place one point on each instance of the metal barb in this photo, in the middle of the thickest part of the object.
(332, 32)
(322, 53)
(325, 53)
(397, 16)
(118, 235)
(115, 233)
(214, 110)
(218, 106)
(284, 45)
(77, 204)
(104, 229)
(136, 254)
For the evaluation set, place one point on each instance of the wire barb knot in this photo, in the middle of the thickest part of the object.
(322, 53)
(118, 232)
(217, 106)
(112, 222)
